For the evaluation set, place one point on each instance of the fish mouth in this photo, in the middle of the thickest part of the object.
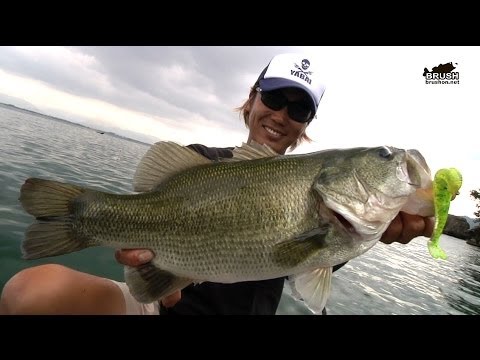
(419, 202)
(336, 219)
(350, 225)
(347, 225)
(415, 170)
(361, 231)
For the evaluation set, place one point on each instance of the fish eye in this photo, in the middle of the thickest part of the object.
(385, 152)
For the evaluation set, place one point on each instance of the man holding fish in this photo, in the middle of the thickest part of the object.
(309, 215)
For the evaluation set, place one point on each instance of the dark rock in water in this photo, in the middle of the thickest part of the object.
(460, 227)
(474, 242)
(474, 236)
(457, 226)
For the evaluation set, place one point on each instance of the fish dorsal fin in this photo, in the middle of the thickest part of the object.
(163, 160)
(312, 287)
(253, 150)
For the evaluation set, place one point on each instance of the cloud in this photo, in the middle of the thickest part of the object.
(374, 95)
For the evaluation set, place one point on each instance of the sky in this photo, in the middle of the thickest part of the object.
(375, 95)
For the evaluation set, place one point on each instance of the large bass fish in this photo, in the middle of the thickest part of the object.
(256, 216)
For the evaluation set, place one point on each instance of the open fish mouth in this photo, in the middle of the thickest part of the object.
(415, 170)
(347, 225)
(357, 228)
(336, 219)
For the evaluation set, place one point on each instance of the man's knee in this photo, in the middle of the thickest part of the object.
(30, 288)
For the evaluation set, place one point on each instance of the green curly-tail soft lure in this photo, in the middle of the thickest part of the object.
(446, 184)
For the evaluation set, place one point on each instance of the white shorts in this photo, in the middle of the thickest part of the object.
(133, 306)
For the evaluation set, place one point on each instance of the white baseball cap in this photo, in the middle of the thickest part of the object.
(293, 70)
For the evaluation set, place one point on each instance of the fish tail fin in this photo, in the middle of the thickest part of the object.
(48, 198)
(51, 203)
(45, 239)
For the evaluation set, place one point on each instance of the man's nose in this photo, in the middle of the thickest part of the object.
(280, 116)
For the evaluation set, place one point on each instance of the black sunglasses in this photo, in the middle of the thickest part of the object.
(299, 111)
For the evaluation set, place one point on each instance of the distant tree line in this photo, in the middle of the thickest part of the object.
(475, 232)
(476, 195)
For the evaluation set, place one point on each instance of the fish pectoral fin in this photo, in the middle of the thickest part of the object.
(163, 160)
(292, 252)
(148, 283)
(252, 151)
(312, 287)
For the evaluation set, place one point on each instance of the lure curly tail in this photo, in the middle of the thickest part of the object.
(446, 184)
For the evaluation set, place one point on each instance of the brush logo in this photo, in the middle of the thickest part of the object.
(442, 74)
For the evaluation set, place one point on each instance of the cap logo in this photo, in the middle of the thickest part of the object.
(302, 72)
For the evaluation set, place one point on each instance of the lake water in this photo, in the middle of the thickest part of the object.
(388, 279)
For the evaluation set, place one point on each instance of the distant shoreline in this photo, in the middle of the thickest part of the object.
(16, 108)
